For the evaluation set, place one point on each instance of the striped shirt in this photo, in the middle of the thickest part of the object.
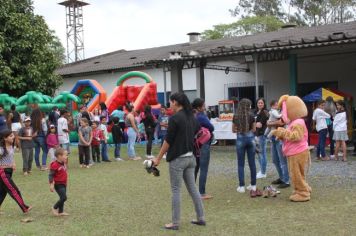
(7, 160)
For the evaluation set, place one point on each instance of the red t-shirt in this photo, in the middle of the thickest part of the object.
(97, 136)
(58, 173)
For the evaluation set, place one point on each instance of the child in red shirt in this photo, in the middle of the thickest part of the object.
(58, 180)
(97, 135)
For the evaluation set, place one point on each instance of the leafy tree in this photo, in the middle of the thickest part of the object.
(247, 25)
(257, 16)
(29, 51)
(261, 8)
(320, 12)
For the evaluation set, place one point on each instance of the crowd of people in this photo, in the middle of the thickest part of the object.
(178, 133)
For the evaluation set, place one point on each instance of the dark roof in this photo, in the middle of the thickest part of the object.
(283, 39)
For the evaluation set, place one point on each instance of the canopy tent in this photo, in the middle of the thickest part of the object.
(321, 94)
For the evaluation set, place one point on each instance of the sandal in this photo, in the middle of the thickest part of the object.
(171, 226)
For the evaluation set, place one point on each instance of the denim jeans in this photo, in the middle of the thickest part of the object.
(117, 150)
(320, 150)
(131, 133)
(203, 165)
(262, 156)
(40, 143)
(279, 160)
(104, 151)
(245, 144)
(66, 147)
(332, 141)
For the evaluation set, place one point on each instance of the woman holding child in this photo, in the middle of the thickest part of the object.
(261, 117)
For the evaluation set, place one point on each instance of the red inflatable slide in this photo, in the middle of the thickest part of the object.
(138, 95)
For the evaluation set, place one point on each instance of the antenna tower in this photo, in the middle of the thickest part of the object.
(75, 32)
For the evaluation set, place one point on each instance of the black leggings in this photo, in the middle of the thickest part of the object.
(149, 135)
(84, 151)
(61, 189)
(7, 186)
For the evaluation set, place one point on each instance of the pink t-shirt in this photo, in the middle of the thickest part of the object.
(291, 148)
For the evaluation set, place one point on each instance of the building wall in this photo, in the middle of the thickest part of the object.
(273, 75)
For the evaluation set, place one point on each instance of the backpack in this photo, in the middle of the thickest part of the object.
(202, 137)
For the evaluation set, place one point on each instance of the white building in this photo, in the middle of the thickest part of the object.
(291, 60)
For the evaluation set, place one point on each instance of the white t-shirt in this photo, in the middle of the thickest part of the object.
(320, 117)
(63, 137)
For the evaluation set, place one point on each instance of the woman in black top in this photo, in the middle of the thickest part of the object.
(178, 144)
(150, 124)
(261, 117)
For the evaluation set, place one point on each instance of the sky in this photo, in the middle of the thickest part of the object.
(111, 25)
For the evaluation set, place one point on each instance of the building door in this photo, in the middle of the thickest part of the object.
(245, 92)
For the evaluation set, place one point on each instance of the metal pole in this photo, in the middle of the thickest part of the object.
(256, 76)
(164, 84)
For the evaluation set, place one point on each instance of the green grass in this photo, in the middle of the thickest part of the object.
(120, 198)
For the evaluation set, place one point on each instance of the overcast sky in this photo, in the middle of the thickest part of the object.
(111, 25)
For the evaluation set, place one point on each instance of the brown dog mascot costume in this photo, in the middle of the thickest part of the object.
(295, 144)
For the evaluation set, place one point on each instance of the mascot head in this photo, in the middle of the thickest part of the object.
(292, 108)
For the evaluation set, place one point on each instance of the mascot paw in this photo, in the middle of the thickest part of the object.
(279, 133)
(298, 198)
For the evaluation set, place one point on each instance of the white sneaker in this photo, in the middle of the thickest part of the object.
(249, 187)
(261, 176)
(332, 156)
(150, 156)
(241, 189)
(119, 159)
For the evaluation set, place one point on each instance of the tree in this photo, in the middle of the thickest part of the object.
(257, 16)
(247, 8)
(29, 51)
(247, 25)
(320, 12)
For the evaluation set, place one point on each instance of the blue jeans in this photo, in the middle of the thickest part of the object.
(40, 143)
(131, 133)
(117, 149)
(245, 144)
(262, 156)
(203, 165)
(104, 151)
(320, 149)
(279, 160)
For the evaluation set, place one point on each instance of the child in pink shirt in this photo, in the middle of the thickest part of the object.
(52, 142)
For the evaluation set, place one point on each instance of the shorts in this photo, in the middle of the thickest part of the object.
(66, 147)
(15, 127)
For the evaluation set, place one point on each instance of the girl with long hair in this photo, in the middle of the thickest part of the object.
(40, 129)
(178, 145)
(261, 117)
(150, 124)
(7, 167)
(132, 132)
(340, 130)
(244, 126)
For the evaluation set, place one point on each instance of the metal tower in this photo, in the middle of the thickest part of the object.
(74, 26)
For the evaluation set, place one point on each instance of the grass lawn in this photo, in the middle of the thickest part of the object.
(120, 198)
